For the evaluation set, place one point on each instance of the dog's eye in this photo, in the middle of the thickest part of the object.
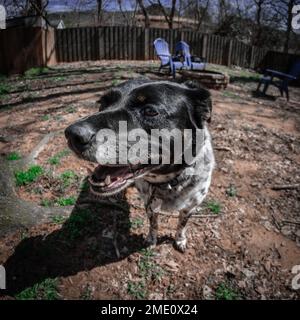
(149, 112)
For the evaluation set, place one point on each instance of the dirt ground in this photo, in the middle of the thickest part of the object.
(242, 245)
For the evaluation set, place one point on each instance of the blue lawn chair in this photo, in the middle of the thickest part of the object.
(163, 52)
(190, 62)
(283, 79)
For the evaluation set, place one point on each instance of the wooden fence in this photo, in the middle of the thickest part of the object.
(133, 43)
(25, 48)
(22, 48)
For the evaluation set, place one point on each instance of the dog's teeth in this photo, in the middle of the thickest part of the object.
(107, 180)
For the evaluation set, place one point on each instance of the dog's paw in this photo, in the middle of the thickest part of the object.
(181, 245)
(151, 240)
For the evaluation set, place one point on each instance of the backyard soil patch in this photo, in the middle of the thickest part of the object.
(243, 243)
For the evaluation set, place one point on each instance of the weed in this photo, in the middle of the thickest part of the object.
(55, 160)
(58, 219)
(4, 89)
(68, 177)
(137, 289)
(59, 79)
(214, 207)
(231, 191)
(45, 290)
(87, 293)
(148, 252)
(69, 201)
(46, 203)
(225, 292)
(147, 267)
(230, 94)
(33, 72)
(13, 156)
(136, 223)
(46, 117)
(24, 234)
(71, 109)
(58, 117)
(28, 176)
(115, 82)
(30, 97)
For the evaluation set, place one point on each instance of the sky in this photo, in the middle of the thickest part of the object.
(67, 5)
(111, 5)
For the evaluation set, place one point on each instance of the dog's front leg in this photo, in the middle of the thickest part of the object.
(152, 210)
(153, 229)
(180, 238)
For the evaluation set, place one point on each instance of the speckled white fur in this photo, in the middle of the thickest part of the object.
(184, 197)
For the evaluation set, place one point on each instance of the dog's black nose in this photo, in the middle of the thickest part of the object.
(80, 136)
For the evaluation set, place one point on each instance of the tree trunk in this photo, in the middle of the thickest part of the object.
(99, 11)
(171, 18)
(288, 27)
(145, 13)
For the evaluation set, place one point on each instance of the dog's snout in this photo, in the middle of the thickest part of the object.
(80, 136)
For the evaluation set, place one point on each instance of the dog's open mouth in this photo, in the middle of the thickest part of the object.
(106, 180)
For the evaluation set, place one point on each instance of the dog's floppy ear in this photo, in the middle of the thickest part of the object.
(109, 98)
(200, 100)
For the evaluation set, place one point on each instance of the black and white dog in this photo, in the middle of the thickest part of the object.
(149, 105)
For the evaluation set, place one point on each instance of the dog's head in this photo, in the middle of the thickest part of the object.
(136, 105)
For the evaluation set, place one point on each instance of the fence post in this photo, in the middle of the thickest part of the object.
(251, 62)
(204, 46)
(229, 52)
(146, 43)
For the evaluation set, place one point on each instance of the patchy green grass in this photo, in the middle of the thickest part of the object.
(58, 117)
(4, 89)
(45, 290)
(148, 269)
(33, 72)
(136, 223)
(58, 219)
(68, 177)
(59, 79)
(29, 175)
(87, 293)
(225, 292)
(46, 203)
(55, 160)
(213, 206)
(236, 74)
(68, 201)
(137, 289)
(230, 94)
(24, 234)
(115, 82)
(13, 156)
(30, 97)
(46, 117)
(231, 191)
(71, 109)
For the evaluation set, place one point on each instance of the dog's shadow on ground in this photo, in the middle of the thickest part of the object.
(95, 234)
